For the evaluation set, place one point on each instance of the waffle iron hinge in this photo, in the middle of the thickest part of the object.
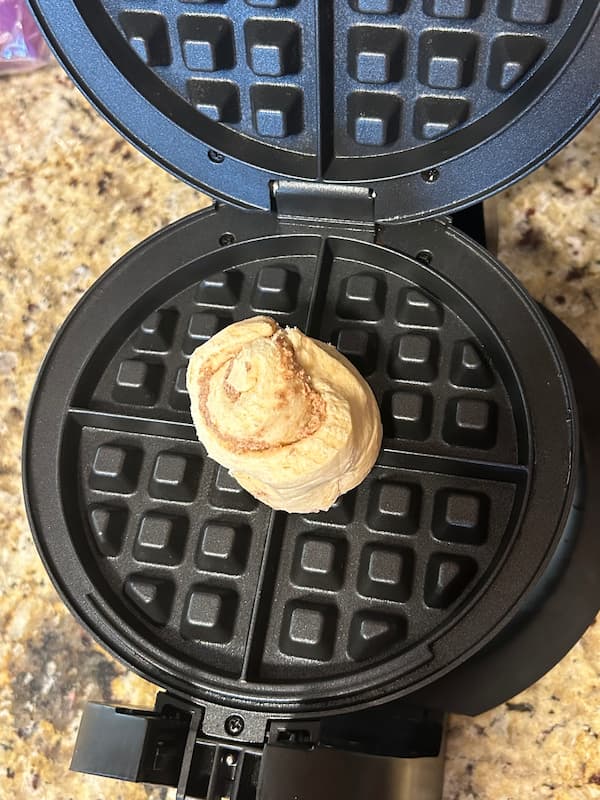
(391, 756)
(321, 206)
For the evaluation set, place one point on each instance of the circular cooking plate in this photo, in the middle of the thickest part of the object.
(372, 91)
(195, 583)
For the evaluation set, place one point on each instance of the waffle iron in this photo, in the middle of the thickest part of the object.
(348, 146)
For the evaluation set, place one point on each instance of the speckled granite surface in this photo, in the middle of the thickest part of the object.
(73, 197)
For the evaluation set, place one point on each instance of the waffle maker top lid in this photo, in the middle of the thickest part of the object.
(428, 105)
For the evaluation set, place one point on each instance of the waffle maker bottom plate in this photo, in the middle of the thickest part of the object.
(196, 584)
(469, 524)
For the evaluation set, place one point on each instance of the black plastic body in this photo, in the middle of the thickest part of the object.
(555, 541)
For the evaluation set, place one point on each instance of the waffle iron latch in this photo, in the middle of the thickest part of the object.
(396, 756)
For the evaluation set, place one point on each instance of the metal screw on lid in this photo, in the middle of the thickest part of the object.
(430, 175)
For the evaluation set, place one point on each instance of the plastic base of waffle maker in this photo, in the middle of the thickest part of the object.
(465, 537)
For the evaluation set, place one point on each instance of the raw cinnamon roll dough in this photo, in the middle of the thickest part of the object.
(291, 418)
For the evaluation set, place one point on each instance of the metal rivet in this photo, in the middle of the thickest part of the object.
(226, 239)
(425, 257)
(234, 725)
(215, 157)
(431, 175)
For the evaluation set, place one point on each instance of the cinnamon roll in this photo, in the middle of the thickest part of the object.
(291, 418)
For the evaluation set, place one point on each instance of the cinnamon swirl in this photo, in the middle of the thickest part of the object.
(290, 417)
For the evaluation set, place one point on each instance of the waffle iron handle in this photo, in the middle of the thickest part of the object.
(396, 756)
(130, 745)
(164, 749)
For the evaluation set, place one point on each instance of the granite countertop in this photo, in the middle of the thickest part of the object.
(75, 196)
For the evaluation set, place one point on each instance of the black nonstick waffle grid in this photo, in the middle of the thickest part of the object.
(234, 95)
(221, 592)
(405, 73)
